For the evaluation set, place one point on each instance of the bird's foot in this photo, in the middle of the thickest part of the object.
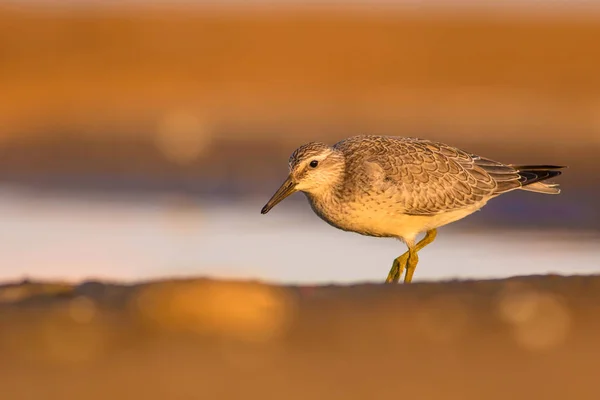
(397, 269)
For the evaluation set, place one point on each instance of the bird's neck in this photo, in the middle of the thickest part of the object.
(328, 195)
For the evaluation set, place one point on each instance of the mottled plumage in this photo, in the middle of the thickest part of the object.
(400, 187)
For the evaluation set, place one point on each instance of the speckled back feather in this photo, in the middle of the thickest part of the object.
(424, 176)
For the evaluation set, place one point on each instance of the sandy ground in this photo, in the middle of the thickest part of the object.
(525, 338)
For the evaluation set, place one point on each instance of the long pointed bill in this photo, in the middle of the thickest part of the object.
(288, 187)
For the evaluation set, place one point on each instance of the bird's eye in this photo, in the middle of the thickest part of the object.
(314, 163)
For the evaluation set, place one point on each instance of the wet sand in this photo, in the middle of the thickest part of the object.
(77, 239)
(532, 337)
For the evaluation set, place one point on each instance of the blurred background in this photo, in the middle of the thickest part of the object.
(139, 139)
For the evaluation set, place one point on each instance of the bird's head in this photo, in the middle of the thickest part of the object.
(314, 168)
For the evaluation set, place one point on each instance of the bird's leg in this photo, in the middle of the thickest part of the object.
(397, 268)
(413, 258)
(401, 262)
(411, 264)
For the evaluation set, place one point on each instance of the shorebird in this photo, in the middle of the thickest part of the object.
(400, 187)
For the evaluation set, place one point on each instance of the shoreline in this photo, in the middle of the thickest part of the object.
(202, 338)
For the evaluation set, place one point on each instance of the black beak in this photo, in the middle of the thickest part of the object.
(288, 187)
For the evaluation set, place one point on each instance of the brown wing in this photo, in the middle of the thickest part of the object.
(429, 178)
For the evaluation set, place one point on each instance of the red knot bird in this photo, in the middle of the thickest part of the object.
(399, 187)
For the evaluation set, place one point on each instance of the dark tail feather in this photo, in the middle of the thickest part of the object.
(531, 177)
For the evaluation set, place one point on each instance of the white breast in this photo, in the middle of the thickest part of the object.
(382, 219)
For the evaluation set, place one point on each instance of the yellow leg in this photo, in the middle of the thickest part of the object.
(404, 261)
(411, 265)
(397, 268)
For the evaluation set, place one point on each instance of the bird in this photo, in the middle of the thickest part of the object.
(401, 187)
